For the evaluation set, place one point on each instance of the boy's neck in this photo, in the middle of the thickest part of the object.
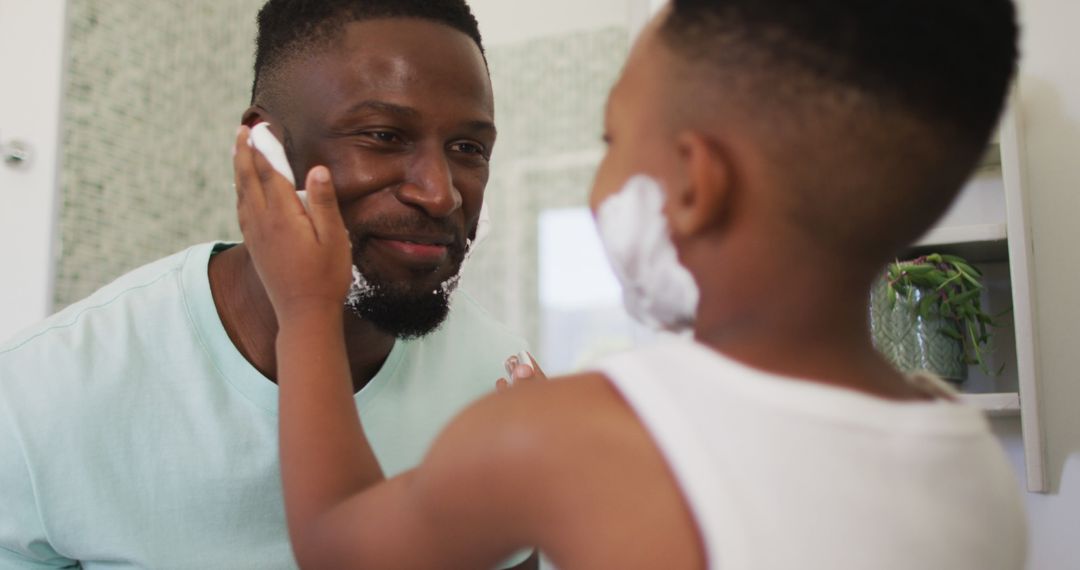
(797, 320)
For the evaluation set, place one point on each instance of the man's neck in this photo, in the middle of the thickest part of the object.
(248, 317)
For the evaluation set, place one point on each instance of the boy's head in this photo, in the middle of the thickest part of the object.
(844, 126)
(394, 98)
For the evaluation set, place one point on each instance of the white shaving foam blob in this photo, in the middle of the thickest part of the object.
(360, 288)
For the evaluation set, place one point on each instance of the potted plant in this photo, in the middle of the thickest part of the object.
(926, 314)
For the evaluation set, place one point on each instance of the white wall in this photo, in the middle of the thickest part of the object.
(1050, 113)
(510, 21)
(31, 44)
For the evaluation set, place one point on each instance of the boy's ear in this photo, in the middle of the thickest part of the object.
(705, 193)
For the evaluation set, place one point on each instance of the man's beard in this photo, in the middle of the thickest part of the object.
(407, 309)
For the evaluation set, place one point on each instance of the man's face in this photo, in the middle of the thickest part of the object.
(401, 112)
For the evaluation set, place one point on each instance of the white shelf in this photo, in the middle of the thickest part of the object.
(1024, 302)
(1006, 404)
(974, 242)
(989, 224)
(992, 159)
(964, 234)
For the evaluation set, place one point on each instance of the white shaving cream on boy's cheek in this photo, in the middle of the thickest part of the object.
(657, 290)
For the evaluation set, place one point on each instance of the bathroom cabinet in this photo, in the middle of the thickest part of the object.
(990, 226)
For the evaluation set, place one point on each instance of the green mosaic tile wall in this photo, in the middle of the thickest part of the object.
(153, 93)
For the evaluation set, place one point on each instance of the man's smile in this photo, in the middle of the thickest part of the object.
(426, 250)
(408, 243)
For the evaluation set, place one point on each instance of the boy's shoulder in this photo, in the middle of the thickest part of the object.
(578, 453)
(563, 427)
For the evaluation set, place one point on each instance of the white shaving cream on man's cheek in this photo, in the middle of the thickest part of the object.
(263, 140)
(361, 289)
(657, 290)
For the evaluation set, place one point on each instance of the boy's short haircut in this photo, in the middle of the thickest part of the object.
(880, 109)
(288, 28)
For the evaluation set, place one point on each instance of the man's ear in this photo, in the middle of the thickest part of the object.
(704, 195)
(254, 115)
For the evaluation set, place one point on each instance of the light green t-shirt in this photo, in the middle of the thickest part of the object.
(134, 435)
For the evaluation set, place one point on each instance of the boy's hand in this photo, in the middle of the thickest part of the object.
(519, 371)
(303, 257)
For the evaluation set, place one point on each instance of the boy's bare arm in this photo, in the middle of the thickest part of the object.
(461, 508)
(458, 506)
(303, 261)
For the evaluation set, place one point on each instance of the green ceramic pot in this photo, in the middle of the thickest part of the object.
(911, 342)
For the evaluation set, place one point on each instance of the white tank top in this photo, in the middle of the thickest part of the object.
(784, 474)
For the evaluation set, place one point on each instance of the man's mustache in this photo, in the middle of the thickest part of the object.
(404, 225)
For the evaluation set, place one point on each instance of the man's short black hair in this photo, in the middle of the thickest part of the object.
(906, 93)
(290, 27)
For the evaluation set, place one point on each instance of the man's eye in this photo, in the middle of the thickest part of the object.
(384, 136)
(468, 148)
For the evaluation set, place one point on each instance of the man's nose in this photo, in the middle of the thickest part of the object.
(429, 186)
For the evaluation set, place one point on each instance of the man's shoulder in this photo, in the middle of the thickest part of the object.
(470, 324)
(465, 308)
(467, 352)
(132, 293)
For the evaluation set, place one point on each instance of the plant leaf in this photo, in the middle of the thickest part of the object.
(926, 305)
(951, 332)
(964, 297)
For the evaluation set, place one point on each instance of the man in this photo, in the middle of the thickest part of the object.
(788, 149)
(138, 428)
